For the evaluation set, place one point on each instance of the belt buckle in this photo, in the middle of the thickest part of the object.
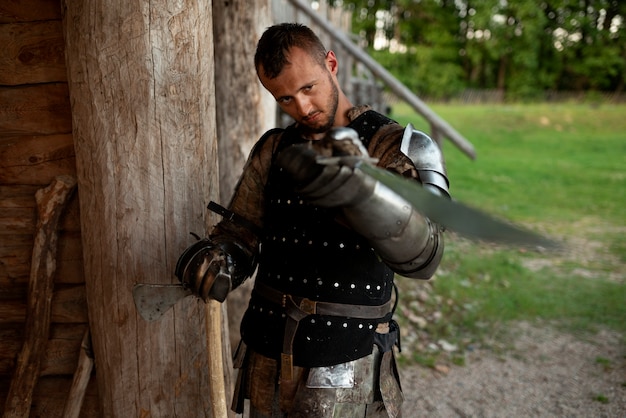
(307, 306)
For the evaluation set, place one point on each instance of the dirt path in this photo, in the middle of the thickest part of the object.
(548, 374)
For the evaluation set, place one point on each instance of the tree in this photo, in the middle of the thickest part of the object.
(521, 47)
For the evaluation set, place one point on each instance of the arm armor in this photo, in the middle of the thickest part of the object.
(428, 160)
(408, 242)
(211, 270)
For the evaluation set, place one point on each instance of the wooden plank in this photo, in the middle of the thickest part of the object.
(22, 196)
(70, 259)
(51, 393)
(12, 336)
(50, 204)
(29, 10)
(63, 349)
(36, 159)
(82, 376)
(42, 109)
(68, 306)
(15, 259)
(17, 228)
(61, 353)
(17, 214)
(32, 53)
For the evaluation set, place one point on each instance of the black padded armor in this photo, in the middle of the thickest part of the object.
(305, 251)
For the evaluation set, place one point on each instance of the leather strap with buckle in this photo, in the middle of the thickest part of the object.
(297, 308)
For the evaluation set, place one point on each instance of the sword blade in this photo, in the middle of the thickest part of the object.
(456, 216)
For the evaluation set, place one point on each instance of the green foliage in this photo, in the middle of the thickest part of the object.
(555, 169)
(423, 72)
(522, 47)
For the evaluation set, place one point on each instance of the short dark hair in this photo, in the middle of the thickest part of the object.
(276, 41)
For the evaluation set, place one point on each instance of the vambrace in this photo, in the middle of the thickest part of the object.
(410, 244)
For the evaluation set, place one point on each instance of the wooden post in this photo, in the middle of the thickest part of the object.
(50, 204)
(82, 375)
(141, 80)
(241, 118)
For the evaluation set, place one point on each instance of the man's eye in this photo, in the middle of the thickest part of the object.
(284, 100)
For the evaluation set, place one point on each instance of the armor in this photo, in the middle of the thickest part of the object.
(428, 160)
(209, 269)
(404, 239)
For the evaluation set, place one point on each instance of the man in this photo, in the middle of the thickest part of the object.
(318, 334)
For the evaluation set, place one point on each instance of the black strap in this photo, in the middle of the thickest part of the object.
(232, 216)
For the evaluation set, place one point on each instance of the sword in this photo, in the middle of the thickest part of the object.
(153, 300)
(456, 216)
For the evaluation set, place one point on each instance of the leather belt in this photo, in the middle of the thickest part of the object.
(297, 308)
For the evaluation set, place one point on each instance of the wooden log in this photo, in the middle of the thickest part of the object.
(32, 53)
(50, 203)
(29, 10)
(35, 110)
(61, 353)
(141, 77)
(12, 312)
(51, 393)
(12, 337)
(68, 306)
(82, 376)
(18, 211)
(237, 131)
(15, 252)
(17, 228)
(36, 159)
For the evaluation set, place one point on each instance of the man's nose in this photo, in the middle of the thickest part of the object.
(303, 105)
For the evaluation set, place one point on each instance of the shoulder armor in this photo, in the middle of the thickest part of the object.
(428, 160)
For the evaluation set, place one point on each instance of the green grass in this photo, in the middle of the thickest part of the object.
(559, 169)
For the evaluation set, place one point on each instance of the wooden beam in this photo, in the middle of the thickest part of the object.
(82, 376)
(36, 159)
(61, 352)
(50, 204)
(141, 78)
(29, 10)
(35, 110)
(32, 53)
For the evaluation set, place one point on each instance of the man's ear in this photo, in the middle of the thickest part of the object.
(331, 62)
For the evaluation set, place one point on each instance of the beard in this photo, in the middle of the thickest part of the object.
(330, 110)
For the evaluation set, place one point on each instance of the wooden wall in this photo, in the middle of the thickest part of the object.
(35, 147)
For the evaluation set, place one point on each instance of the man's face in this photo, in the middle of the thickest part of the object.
(306, 91)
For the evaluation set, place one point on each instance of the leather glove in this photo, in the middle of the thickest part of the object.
(206, 269)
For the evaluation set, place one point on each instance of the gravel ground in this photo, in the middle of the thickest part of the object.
(546, 374)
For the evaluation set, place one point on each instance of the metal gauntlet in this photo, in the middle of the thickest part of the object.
(211, 270)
